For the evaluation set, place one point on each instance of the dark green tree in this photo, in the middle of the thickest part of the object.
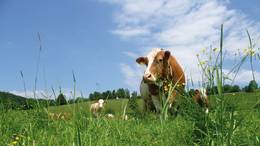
(120, 93)
(106, 95)
(113, 94)
(127, 93)
(252, 87)
(235, 88)
(61, 100)
(91, 96)
(227, 88)
(97, 95)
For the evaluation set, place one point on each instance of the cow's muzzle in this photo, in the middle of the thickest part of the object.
(148, 78)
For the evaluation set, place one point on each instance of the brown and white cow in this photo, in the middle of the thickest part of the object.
(201, 98)
(160, 65)
(96, 107)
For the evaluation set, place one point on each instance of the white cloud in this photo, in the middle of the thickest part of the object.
(244, 76)
(131, 32)
(133, 75)
(131, 54)
(186, 26)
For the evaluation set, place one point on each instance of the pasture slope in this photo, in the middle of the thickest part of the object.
(73, 125)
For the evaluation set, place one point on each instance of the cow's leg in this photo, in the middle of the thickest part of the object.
(172, 99)
(173, 110)
(148, 104)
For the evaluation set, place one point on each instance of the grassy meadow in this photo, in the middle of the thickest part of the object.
(76, 126)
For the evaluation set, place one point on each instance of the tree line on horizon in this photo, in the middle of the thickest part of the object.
(251, 87)
(122, 93)
(12, 101)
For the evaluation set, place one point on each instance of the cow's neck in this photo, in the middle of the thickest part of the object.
(176, 72)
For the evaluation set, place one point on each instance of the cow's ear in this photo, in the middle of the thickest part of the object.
(142, 60)
(167, 55)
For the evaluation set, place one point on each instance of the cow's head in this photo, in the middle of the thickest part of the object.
(202, 92)
(101, 103)
(157, 65)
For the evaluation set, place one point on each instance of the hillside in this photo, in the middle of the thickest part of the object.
(9, 100)
(12, 101)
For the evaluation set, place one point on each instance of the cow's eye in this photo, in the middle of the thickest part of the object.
(160, 60)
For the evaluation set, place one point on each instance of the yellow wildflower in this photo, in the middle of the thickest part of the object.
(165, 88)
(17, 138)
(14, 142)
(203, 62)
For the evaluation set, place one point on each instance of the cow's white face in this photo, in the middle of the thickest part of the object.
(157, 64)
(203, 92)
(101, 102)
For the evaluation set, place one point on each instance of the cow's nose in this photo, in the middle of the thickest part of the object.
(148, 75)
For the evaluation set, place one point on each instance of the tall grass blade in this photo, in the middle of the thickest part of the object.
(251, 54)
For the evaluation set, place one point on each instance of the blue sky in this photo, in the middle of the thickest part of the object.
(99, 39)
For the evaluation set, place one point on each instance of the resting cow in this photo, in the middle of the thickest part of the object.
(160, 65)
(201, 98)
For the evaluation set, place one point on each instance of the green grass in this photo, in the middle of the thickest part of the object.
(35, 127)
(242, 100)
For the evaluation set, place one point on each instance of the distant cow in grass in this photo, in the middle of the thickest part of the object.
(110, 116)
(58, 116)
(97, 107)
(160, 65)
(201, 98)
